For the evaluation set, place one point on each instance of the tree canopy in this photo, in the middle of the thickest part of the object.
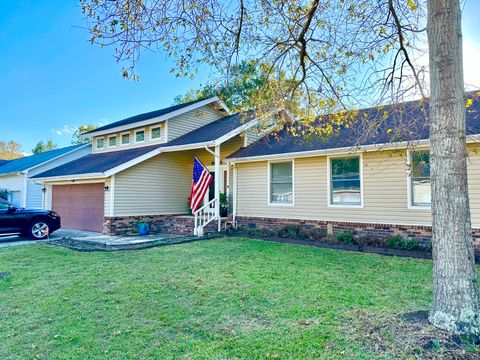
(246, 79)
(76, 139)
(10, 150)
(41, 147)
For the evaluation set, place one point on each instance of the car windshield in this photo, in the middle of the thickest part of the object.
(4, 205)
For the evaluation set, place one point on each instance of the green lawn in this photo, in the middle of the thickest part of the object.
(217, 299)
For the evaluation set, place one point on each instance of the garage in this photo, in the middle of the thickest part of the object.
(81, 206)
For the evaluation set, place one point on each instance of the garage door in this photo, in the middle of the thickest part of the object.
(80, 206)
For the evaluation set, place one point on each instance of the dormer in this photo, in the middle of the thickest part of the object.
(156, 127)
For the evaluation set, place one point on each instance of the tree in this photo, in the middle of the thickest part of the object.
(10, 150)
(246, 79)
(44, 146)
(330, 57)
(76, 139)
(455, 299)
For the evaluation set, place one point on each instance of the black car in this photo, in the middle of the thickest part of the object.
(35, 223)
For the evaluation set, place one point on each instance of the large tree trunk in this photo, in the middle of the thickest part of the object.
(455, 300)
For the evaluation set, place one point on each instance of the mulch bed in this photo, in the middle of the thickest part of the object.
(346, 247)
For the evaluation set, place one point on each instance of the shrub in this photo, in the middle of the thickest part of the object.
(398, 242)
(4, 194)
(395, 242)
(289, 231)
(346, 237)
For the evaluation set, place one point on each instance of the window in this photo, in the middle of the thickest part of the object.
(126, 139)
(100, 143)
(345, 183)
(140, 136)
(112, 141)
(281, 183)
(156, 133)
(420, 179)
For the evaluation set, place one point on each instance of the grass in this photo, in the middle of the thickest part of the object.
(215, 299)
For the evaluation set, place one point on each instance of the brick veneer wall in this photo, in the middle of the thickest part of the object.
(169, 224)
(421, 233)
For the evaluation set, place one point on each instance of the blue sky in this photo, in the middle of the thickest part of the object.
(53, 80)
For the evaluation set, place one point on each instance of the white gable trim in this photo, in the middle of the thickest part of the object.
(158, 119)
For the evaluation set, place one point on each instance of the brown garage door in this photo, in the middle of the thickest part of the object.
(80, 206)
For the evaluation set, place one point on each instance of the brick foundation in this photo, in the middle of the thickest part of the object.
(170, 224)
(331, 228)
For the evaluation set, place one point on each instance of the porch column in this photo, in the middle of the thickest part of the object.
(218, 176)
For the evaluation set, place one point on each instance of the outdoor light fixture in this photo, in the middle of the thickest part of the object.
(106, 188)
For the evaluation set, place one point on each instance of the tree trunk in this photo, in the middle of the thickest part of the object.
(455, 306)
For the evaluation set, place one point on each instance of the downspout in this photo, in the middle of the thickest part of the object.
(234, 188)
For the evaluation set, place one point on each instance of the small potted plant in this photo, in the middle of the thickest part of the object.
(143, 227)
(223, 205)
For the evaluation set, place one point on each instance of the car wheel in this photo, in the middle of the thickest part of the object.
(39, 230)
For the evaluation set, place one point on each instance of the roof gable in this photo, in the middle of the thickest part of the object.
(28, 162)
(153, 116)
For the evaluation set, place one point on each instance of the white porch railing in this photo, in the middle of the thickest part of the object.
(204, 216)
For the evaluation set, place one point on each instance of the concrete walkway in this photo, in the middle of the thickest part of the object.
(59, 234)
(85, 241)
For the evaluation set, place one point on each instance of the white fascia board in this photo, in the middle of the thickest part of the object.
(156, 119)
(72, 177)
(58, 157)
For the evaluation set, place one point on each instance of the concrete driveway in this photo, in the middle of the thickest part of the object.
(61, 233)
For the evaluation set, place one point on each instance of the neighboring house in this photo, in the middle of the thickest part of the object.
(141, 167)
(15, 174)
(371, 178)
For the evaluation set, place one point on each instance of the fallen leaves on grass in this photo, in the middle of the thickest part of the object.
(408, 335)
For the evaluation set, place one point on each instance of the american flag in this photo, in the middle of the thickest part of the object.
(200, 182)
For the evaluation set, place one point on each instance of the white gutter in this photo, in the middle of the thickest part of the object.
(157, 118)
(71, 177)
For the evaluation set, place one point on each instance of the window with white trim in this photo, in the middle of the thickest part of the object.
(126, 139)
(100, 143)
(139, 135)
(155, 133)
(281, 183)
(112, 141)
(345, 181)
(420, 178)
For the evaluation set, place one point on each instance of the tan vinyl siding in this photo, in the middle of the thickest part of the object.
(182, 124)
(385, 192)
(161, 185)
(157, 186)
(148, 141)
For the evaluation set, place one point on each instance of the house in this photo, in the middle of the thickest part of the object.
(370, 178)
(141, 168)
(15, 175)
